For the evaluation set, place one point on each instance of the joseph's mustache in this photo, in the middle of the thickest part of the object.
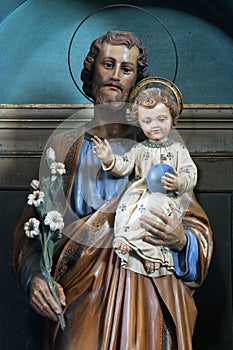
(117, 85)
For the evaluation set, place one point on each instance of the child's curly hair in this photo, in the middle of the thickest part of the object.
(150, 97)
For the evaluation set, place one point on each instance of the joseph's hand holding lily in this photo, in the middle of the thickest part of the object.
(48, 225)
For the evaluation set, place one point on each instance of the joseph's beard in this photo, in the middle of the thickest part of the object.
(109, 101)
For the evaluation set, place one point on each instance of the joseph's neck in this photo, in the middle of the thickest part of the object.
(108, 123)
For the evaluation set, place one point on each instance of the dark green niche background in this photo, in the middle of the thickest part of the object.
(34, 41)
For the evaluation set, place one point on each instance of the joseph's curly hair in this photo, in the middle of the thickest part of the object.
(150, 97)
(113, 38)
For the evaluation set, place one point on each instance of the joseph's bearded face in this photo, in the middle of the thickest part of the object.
(115, 74)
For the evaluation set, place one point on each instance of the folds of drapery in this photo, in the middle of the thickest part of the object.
(109, 308)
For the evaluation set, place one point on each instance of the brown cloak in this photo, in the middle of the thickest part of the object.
(108, 307)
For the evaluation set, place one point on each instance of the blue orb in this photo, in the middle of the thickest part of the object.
(154, 175)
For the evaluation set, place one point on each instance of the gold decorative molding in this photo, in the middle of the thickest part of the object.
(90, 105)
(207, 130)
(49, 116)
(45, 106)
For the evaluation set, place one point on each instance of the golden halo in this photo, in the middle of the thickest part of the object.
(159, 83)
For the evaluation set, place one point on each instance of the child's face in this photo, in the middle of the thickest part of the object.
(155, 122)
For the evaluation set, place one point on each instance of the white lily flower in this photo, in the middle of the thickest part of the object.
(31, 228)
(57, 168)
(50, 154)
(35, 184)
(54, 220)
(35, 198)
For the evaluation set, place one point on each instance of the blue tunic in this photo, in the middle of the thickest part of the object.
(92, 185)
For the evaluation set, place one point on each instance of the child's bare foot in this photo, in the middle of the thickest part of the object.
(122, 247)
(151, 266)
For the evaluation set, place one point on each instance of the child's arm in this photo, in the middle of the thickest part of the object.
(103, 151)
(173, 182)
(185, 177)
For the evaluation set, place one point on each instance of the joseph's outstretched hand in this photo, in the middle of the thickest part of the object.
(169, 232)
(41, 299)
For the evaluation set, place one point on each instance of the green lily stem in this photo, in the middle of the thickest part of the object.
(47, 264)
(52, 287)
